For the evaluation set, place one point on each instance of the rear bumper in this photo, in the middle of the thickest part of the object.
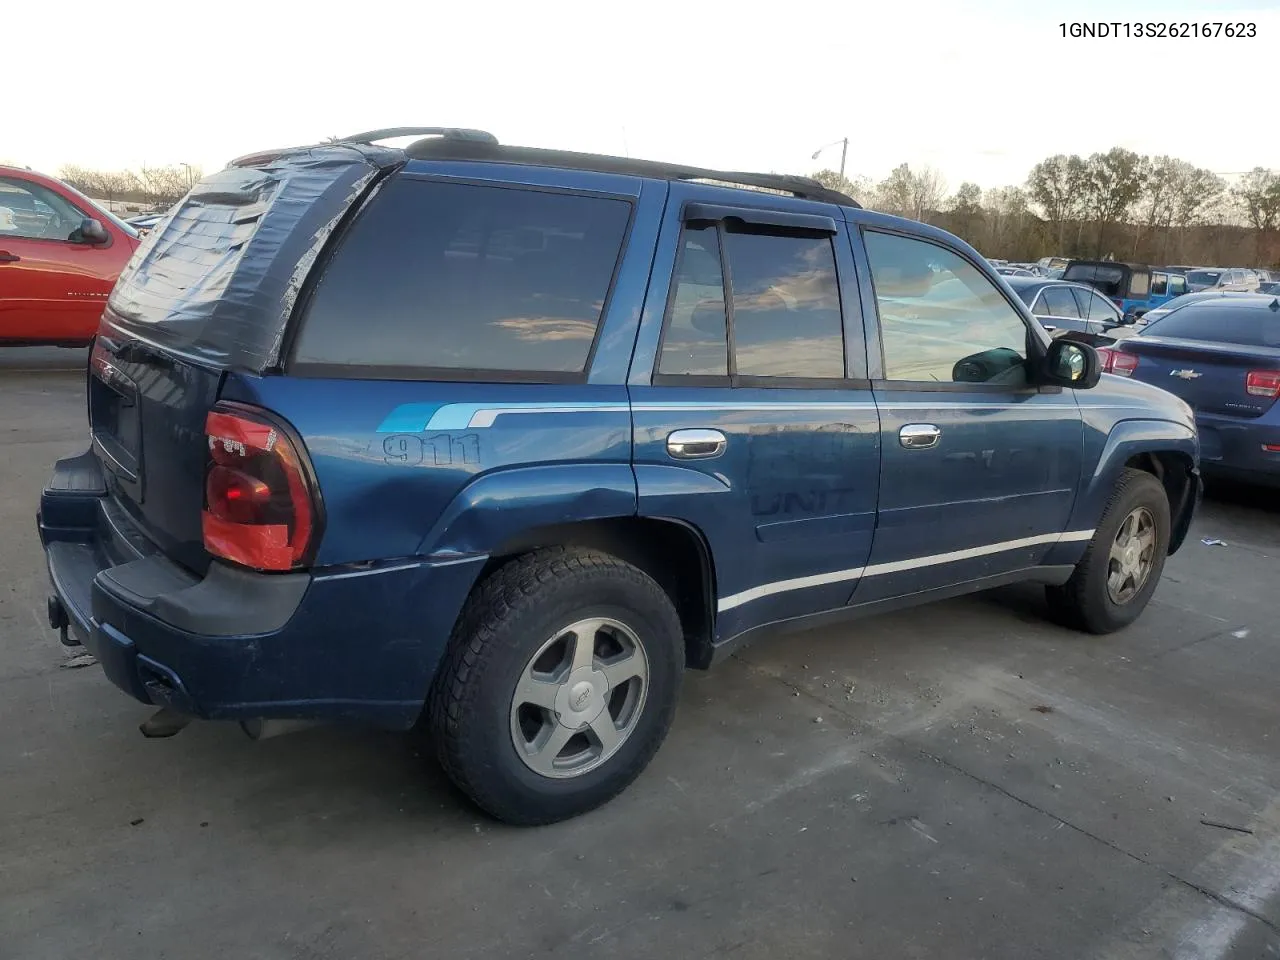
(353, 644)
(1232, 447)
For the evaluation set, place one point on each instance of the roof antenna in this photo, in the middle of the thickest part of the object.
(1275, 304)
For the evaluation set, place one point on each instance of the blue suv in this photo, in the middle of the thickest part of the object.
(494, 442)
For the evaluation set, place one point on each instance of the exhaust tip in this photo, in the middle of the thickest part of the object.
(258, 728)
(165, 722)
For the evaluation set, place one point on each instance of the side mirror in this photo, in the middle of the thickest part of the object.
(90, 231)
(1070, 363)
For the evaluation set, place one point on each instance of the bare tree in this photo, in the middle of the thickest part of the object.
(907, 193)
(895, 192)
(966, 212)
(1058, 186)
(162, 186)
(859, 188)
(1115, 183)
(79, 177)
(928, 190)
(1258, 195)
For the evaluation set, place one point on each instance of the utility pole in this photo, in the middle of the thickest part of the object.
(844, 151)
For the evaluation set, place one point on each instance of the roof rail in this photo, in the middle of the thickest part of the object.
(447, 133)
(459, 148)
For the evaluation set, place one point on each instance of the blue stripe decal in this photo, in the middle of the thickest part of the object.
(417, 417)
(408, 418)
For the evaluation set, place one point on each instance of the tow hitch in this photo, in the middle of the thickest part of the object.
(59, 621)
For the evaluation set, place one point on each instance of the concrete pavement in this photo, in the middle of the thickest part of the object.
(962, 780)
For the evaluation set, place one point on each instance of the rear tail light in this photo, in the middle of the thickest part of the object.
(261, 504)
(1262, 383)
(1118, 362)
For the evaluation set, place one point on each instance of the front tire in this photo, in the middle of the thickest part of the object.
(1119, 571)
(559, 685)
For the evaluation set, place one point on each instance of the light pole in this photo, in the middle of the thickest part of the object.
(844, 151)
(187, 167)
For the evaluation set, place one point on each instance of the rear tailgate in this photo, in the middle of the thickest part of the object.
(1209, 376)
(212, 291)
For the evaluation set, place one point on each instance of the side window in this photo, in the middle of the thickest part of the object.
(1159, 284)
(1097, 308)
(695, 340)
(1177, 285)
(1139, 285)
(503, 282)
(1058, 302)
(33, 212)
(786, 306)
(941, 320)
(783, 314)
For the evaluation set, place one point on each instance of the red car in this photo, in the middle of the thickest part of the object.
(60, 254)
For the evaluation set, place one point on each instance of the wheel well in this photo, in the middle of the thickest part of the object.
(673, 553)
(1174, 471)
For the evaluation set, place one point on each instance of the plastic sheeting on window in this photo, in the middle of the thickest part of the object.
(218, 279)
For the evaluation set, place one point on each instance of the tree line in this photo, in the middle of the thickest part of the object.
(155, 187)
(1117, 204)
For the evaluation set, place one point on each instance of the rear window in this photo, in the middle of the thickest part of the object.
(459, 278)
(1248, 326)
(1205, 277)
(217, 282)
(1107, 278)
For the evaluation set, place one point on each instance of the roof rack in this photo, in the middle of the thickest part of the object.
(447, 133)
(446, 144)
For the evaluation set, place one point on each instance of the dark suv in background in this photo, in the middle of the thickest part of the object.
(498, 441)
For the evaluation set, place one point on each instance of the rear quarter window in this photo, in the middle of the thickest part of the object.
(464, 281)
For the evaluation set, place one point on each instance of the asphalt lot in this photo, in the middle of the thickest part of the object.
(963, 780)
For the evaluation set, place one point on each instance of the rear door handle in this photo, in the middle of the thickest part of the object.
(697, 444)
(919, 436)
(7, 257)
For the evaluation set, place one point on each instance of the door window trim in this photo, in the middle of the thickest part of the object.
(734, 380)
(1020, 309)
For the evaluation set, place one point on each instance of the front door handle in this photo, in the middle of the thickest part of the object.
(7, 257)
(919, 436)
(696, 444)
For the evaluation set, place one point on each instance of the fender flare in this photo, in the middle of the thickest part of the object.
(1129, 439)
(497, 506)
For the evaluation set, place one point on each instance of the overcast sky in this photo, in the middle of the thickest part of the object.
(980, 89)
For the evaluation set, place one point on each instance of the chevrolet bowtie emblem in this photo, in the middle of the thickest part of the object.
(1185, 374)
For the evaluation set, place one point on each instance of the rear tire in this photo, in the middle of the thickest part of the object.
(1114, 580)
(559, 685)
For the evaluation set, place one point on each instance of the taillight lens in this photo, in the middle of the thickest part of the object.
(261, 507)
(1262, 383)
(1118, 362)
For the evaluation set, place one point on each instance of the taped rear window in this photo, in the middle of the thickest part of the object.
(218, 279)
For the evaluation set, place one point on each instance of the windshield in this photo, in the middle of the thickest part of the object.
(1207, 278)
